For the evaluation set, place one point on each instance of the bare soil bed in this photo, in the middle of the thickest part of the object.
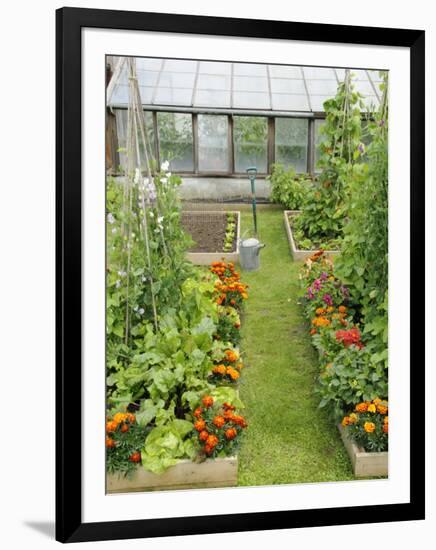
(208, 230)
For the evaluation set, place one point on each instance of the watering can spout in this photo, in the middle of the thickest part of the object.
(259, 247)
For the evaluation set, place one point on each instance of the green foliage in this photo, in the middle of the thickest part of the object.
(363, 264)
(119, 457)
(288, 188)
(167, 444)
(351, 377)
(230, 231)
(325, 209)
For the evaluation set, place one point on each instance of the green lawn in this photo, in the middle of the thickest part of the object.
(289, 440)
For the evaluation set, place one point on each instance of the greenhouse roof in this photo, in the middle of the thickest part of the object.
(224, 86)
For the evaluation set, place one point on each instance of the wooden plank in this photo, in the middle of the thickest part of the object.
(365, 464)
(219, 472)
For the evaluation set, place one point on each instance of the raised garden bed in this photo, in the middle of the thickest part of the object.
(364, 464)
(208, 230)
(219, 472)
(299, 254)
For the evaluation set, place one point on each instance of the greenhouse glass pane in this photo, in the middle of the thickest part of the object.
(282, 71)
(211, 67)
(213, 146)
(147, 78)
(319, 73)
(319, 138)
(175, 141)
(289, 102)
(322, 87)
(251, 100)
(250, 84)
(173, 96)
(212, 98)
(121, 122)
(291, 143)
(176, 80)
(317, 102)
(250, 136)
(213, 82)
(249, 69)
(150, 64)
(180, 66)
(364, 87)
(285, 85)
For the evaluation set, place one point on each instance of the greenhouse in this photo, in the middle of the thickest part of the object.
(213, 120)
(246, 274)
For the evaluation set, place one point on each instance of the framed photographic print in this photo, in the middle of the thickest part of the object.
(240, 266)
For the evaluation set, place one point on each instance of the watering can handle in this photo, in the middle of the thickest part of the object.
(261, 245)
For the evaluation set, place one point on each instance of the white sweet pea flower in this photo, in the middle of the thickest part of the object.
(141, 311)
(137, 178)
(122, 273)
(165, 165)
(160, 219)
(164, 180)
(151, 215)
(118, 284)
(114, 230)
(110, 218)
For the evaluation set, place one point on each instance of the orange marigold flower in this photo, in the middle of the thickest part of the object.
(230, 433)
(240, 420)
(362, 407)
(207, 401)
(385, 428)
(342, 309)
(124, 428)
(197, 412)
(219, 369)
(382, 409)
(219, 421)
(228, 415)
(110, 443)
(313, 331)
(135, 457)
(345, 421)
(385, 420)
(111, 426)
(369, 427)
(320, 311)
(377, 401)
(231, 355)
(212, 440)
(228, 406)
(240, 366)
(208, 449)
(203, 435)
(119, 417)
(233, 373)
(200, 425)
(131, 418)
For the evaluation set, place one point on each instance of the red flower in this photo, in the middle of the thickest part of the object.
(349, 337)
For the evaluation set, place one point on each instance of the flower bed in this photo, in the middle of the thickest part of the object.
(351, 377)
(298, 254)
(216, 236)
(364, 464)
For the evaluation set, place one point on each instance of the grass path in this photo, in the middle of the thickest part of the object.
(289, 440)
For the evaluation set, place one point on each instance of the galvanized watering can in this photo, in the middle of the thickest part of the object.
(249, 254)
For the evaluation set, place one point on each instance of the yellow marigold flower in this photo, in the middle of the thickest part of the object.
(377, 401)
(330, 309)
(385, 420)
(353, 418)
(369, 427)
(372, 408)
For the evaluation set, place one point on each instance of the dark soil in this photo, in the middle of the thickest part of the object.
(208, 230)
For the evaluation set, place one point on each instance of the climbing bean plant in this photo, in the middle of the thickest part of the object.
(325, 209)
(363, 263)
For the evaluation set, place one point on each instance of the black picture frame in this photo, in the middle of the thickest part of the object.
(69, 23)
